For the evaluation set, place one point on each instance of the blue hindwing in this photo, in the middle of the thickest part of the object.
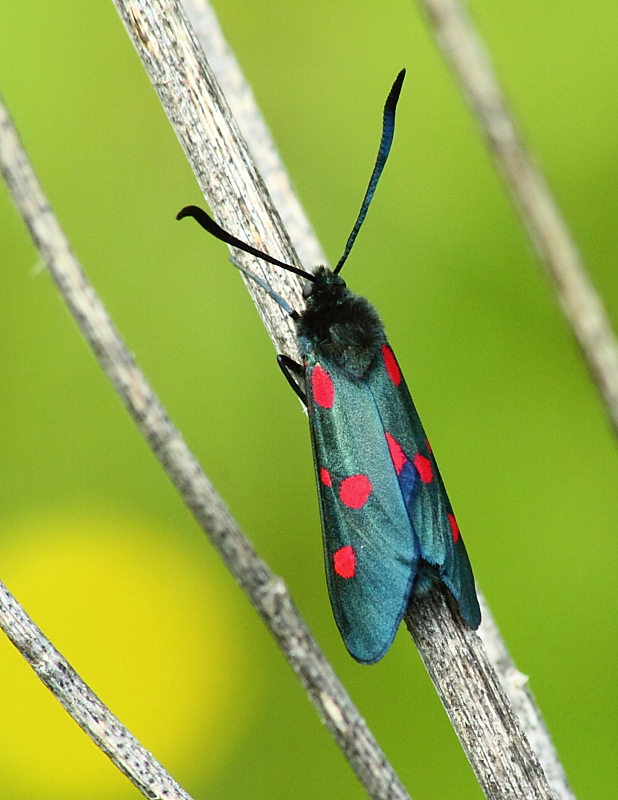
(383, 505)
(429, 508)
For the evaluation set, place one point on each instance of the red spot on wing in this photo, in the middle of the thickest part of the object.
(397, 454)
(428, 445)
(325, 477)
(454, 528)
(322, 387)
(392, 367)
(344, 562)
(423, 467)
(355, 490)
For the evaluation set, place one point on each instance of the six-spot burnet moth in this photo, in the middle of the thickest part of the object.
(388, 526)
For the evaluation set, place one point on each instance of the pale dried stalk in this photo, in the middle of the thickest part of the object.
(266, 591)
(263, 149)
(467, 56)
(195, 106)
(94, 718)
(255, 131)
(515, 684)
(475, 701)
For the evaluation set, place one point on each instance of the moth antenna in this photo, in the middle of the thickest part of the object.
(388, 131)
(208, 223)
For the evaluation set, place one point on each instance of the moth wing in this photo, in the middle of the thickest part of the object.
(429, 508)
(370, 551)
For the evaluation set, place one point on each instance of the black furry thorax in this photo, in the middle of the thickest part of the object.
(339, 326)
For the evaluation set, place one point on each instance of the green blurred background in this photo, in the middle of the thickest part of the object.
(95, 542)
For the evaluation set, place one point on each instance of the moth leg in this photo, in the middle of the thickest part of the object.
(289, 367)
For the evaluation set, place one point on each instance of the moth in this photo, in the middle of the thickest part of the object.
(388, 527)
